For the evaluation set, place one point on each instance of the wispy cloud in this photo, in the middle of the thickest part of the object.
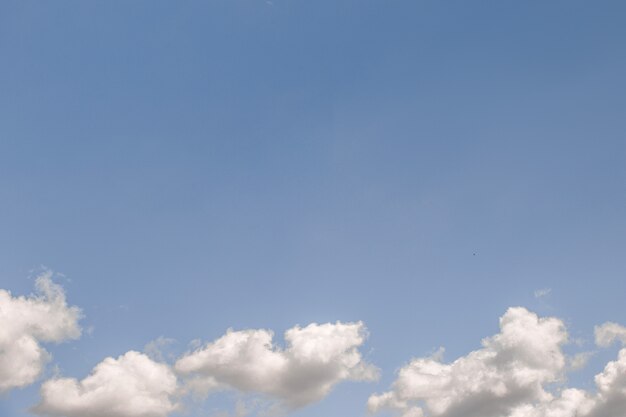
(543, 292)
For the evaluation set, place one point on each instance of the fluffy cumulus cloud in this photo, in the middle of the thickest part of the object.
(316, 358)
(509, 370)
(132, 385)
(509, 377)
(28, 321)
(608, 400)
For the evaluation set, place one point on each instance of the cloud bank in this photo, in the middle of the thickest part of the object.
(519, 372)
(26, 323)
(510, 376)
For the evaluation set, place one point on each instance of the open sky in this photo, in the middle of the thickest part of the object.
(378, 179)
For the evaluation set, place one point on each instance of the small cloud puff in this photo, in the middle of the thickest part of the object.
(608, 333)
(543, 292)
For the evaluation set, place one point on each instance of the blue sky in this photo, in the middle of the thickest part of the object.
(420, 166)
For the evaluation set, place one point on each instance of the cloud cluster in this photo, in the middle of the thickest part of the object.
(26, 323)
(519, 372)
(316, 358)
(511, 369)
(509, 376)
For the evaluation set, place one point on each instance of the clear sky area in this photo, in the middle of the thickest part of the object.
(342, 208)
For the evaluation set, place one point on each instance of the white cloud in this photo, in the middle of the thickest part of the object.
(316, 358)
(609, 399)
(509, 377)
(25, 323)
(509, 370)
(133, 385)
(608, 333)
